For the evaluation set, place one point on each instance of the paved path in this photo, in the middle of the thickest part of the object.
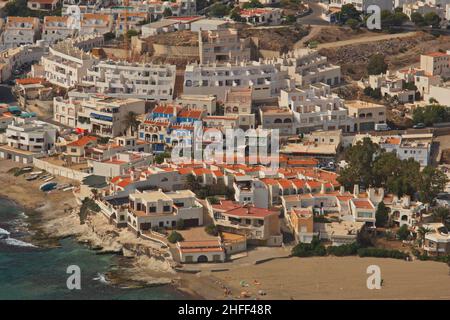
(366, 39)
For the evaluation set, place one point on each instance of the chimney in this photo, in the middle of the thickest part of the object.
(371, 194)
(355, 190)
(322, 188)
(406, 201)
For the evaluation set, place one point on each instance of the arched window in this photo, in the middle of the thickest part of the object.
(278, 121)
(287, 120)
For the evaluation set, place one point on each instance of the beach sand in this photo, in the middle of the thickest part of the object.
(286, 278)
(340, 278)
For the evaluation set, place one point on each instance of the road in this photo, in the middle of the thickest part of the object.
(315, 17)
(366, 39)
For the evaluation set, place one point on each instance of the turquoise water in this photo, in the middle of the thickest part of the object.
(37, 273)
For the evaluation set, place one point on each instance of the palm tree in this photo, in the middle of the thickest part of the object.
(441, 214)
(422, 232)
(131, 122)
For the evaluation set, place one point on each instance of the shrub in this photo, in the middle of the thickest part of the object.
(403, 232)
(175, 237)
(315, 248)
(343, 250)
(212, 230)
(382, 253)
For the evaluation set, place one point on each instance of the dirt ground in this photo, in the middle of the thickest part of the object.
(340, 278)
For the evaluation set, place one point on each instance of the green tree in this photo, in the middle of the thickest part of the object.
(160, 157)
(360, 159)
(403, 232)
(131, 122)
(352, 23)
(348, 11)
(432, 182)
(175, 237)
(212, 230)
(376, 64)
(432, 19)
(418, 19)
(431, 114)
(381, 215)
(167, 12)
(192, 183)
(235, 15)
(421, 233)
(219, 10)
(442, 215)
(132, 33)
(252, 4)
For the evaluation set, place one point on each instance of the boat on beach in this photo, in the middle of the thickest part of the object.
(48, 186)
(49, 178)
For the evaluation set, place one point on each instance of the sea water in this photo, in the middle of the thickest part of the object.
(28, 271)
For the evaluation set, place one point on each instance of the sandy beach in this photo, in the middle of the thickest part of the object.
(285, 278)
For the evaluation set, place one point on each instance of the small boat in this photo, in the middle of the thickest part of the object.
(48, 186)
(49, 178)
(68, 188)
(26, 169)
(32, 177)
(37, 172)
(62, 186)
(45, 176)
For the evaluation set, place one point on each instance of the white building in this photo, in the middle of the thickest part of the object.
(314, 108)
(392, 86)
(95, 23)
(307, 66)
(132, 80)
(216, 79)
(106, 116)
(439, 93)
(262, 16)
(27, 139)
(223, 45)
(151, 209)
(66, 65)
(120, 163)
(362, 5)
(19, 31)
(55, 29)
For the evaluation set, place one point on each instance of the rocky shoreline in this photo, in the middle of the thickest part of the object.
(53, 216)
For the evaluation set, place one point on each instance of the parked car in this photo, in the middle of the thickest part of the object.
(419, 126)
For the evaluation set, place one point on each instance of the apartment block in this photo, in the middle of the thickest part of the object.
(66, 65)
(55, 29)
(20, 31)
(132, 80)
(26, 139)
(435, 63)
(92, 23)
(223, 45)
(314, 107)
(151, 209)
(216, 79)
(120, 163)
(307, 66)
(437, 242)
(239, 101)
(366, 114)
(106, 116)
(260, 226)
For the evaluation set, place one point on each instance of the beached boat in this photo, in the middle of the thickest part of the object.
(68, 188)
(49, 178)
(32, 177)
(48, 186)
